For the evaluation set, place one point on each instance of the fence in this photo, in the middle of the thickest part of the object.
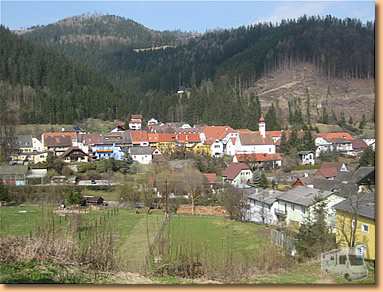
(282, 240)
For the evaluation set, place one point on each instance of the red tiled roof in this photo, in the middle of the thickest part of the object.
(139, 136)
(91, 139)
(328, 169)
(254, 138)
(274, 133)
(335, 135)
(259, 157)
(211, 177)
(188, 138)
(161, 137)
(216, 132)
(234, 169)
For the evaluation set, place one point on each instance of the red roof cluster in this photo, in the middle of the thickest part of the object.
(336, 135)
(258, 157)
(184, 138)
(161, 137)
(213, 133)
(139, 136)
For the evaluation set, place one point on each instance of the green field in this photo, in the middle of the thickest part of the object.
(228, 251)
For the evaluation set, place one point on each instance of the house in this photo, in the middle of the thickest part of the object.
(358, 146)
(295, 205)
(142, 154)
(24, 143)
(29, 157)
(15, 175)
(74, 154)
(333, 141)
(260, 160)
(330, 170)
(58, 142)
(364, 178)
(254, 142)
(238, 174)
(306, 157)
(262, 205)
(135, 122)
(188, 140)
(211, 179)
(118, 128)
(87, 141)
(139, 138)
(216, 137)
(152, 122)
(91, 200)
(111, 145)
(360, 209)
(370, 142)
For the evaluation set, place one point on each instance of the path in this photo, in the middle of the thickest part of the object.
(136, 247)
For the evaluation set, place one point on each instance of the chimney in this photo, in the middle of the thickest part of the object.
(262, 126)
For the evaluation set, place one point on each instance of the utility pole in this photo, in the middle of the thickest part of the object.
(166, 198)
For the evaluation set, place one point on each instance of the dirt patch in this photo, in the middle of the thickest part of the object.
(202, 210)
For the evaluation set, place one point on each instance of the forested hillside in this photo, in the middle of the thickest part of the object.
(220, 70)
(43, 86)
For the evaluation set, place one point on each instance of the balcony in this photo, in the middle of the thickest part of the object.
(280, 212)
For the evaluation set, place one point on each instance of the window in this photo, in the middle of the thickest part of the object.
(292, 206)
(332, 258)
(355, 260)
(365, 228)
(342, 259)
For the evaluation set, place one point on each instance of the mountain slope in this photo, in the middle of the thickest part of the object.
(45, 87)
(102, 30)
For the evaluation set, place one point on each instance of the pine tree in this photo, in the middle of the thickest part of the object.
(284, 145)
(363, 122)
(368, 157)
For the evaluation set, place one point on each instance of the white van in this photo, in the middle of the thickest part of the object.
(346, 262)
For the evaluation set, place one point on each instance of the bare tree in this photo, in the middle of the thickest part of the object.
(193, 182)
(234, 202)
(348, 225)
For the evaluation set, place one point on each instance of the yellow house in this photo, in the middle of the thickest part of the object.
(202, 149)
(359, 209)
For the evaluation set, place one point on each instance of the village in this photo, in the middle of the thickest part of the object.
(247, 164)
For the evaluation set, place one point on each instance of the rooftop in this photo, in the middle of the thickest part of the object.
(234, 169)
(304, 196)
(362, 204)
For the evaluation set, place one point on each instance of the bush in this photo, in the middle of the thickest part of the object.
(4, 195)
(74, 197)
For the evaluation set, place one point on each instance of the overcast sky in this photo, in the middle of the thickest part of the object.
(184, 15)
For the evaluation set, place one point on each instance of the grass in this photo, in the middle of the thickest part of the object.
(36, 129)
(212, 238)
(41, 272)
(307, 273)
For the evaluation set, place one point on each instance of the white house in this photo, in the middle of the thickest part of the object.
(152, 122)
(295, 205)
(262, 205)
(322, 146)
(217, 149)
(370, 142)
(307, 157)
(253, 142)
(238, 174)
(333, 141)
(135, 122)
(141, 154)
